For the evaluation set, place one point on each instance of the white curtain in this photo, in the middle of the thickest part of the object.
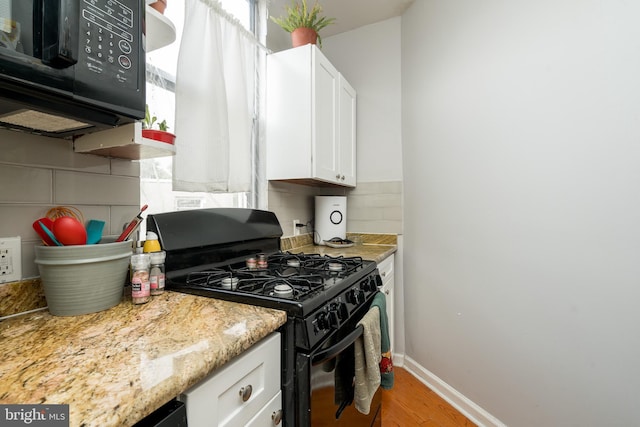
(215, 92)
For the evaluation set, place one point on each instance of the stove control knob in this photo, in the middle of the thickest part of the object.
(368, 286)
(334, 321)
(351, 296)
(321, 322)
(358, 296)
(343, 311)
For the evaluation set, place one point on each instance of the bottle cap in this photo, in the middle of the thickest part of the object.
(151, 244)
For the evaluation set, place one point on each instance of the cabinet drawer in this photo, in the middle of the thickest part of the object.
(270, 415)
(386, 268)
(219, 400)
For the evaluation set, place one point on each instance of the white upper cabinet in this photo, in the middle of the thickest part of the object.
(311, 119)
(347, 133)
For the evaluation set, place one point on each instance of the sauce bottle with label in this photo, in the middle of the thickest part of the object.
(156, 273)
(140, 284)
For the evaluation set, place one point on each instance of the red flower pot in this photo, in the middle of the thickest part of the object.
(301, 36)
(159, 135)
(159, 5)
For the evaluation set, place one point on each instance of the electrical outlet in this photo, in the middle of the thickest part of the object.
(10, 259)
(296, 229)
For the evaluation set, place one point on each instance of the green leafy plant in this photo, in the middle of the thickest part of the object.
(150, 120)
(298, 15)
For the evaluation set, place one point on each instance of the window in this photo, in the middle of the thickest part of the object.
(155, 183)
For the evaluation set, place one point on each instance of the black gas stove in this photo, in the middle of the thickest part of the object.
(318, 290)
(234, 254)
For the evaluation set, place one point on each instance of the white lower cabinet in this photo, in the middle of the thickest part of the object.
(270, 415)
(386, 269)
(245, 391)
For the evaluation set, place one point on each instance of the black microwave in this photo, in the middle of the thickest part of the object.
(71, 67)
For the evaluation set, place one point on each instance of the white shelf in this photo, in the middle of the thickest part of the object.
(124, 142)
(160, 30)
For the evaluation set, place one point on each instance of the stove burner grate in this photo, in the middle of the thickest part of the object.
(207, 278)
(274, 284)
(340, 266)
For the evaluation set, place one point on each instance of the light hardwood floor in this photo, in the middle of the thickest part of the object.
(411, 403)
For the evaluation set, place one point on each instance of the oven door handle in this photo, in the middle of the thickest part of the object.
(336, 349)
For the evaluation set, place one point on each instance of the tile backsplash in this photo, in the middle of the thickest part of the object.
(372, 207)
(38, 173)
(294, 201)
(375, 207)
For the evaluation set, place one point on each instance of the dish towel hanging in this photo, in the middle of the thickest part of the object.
(367, 356)
(386, 364)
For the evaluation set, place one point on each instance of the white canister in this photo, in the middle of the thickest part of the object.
(331, 218)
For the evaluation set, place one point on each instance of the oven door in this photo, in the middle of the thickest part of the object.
(327, 373)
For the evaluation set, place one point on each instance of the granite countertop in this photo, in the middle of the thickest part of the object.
(366, 251)
(116, 366)
(374, 247)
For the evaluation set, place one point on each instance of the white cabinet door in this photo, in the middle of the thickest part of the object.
(237, 392)
(310, 114)
(347, 133)
(386, 269)
(325, 80)
(289, 115)
(270, 416)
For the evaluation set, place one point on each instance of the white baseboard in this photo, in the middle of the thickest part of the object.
(469, 409)
(398, 359)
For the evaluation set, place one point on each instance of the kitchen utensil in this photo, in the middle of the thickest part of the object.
(46, 233)
(94, 231)
(69, 231)
(43, 234)
(132, 226)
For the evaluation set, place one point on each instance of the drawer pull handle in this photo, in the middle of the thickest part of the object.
(386, 292)
(384, 273)
(277, 417)
(245, 392)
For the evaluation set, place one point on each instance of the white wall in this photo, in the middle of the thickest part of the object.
(369, 58)
(521, 129)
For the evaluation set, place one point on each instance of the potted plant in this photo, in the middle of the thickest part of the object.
(161, 134)
(303, 23)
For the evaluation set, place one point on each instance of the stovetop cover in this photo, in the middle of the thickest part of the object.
(200, 238)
